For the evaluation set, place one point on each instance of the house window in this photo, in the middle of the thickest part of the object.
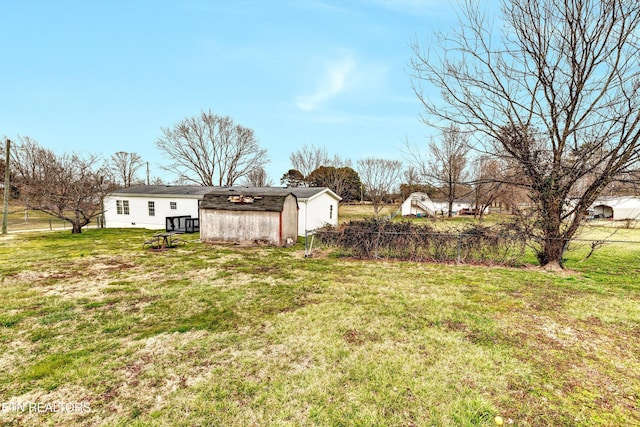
(122, 207)
(330, 211)
(173, 205)
(152, 208)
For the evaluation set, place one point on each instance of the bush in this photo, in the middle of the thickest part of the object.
(381, 238)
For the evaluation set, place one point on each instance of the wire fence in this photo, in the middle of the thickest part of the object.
(624, 252)
(38, 223)
(459, 248)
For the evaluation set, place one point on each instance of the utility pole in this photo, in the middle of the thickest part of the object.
(148, 181)
(7, 189)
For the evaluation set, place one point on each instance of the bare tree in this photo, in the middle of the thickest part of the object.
(489, 183)
(309, 158)
(211, 149)
(557, 95)
(125, 166)
(258, 178)
(380, 177)
(445, 164)
(67, 186)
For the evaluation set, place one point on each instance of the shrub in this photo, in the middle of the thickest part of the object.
(381, 238)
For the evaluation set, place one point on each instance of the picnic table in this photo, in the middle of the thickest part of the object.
(162, 241)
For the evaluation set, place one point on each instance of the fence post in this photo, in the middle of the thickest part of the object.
(459, 248)
(306, 236)
(308, 245)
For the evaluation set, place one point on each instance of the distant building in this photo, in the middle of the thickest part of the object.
(619, 207)
(418, 204)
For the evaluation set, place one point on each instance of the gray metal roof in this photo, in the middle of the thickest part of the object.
(199, 191)
(165, 190)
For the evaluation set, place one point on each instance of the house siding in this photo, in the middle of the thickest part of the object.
(138, 216)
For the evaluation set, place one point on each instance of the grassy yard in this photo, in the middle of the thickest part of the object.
(241, 336)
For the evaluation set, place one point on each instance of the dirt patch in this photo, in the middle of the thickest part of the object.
(357, 337)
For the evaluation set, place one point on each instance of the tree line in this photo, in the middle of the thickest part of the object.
(542, 108)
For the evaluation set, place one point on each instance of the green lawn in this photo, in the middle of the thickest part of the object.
(240, 336)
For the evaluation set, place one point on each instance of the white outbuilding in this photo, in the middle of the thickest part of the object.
(619, 207)
(418, 204)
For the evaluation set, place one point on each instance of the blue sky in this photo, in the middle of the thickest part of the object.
(105, 76)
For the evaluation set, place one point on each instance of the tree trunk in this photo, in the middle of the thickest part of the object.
(77, 224)
(550, 255)
(76, 228)
(554, 240)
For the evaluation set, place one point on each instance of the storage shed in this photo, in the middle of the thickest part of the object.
(255, 217)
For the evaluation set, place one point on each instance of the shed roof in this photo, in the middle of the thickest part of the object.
(199, 191)
(230, 200)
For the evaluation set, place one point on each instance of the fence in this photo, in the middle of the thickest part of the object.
(611, 250)
(38, 223)
(471, 248)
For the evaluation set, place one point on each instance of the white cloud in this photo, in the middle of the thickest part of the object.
(335, 80)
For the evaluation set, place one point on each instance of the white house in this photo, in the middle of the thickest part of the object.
(622, 207)
(148, 206)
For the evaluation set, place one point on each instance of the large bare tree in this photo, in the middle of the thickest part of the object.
(380, 177)
(556, 93)
(67, 186)
(444, 164)
(124, 167)
(211, 149)
(309, 158)
(258, 178)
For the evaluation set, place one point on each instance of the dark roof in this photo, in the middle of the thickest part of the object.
(165, 190)
(223, 199)
(199, 191)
